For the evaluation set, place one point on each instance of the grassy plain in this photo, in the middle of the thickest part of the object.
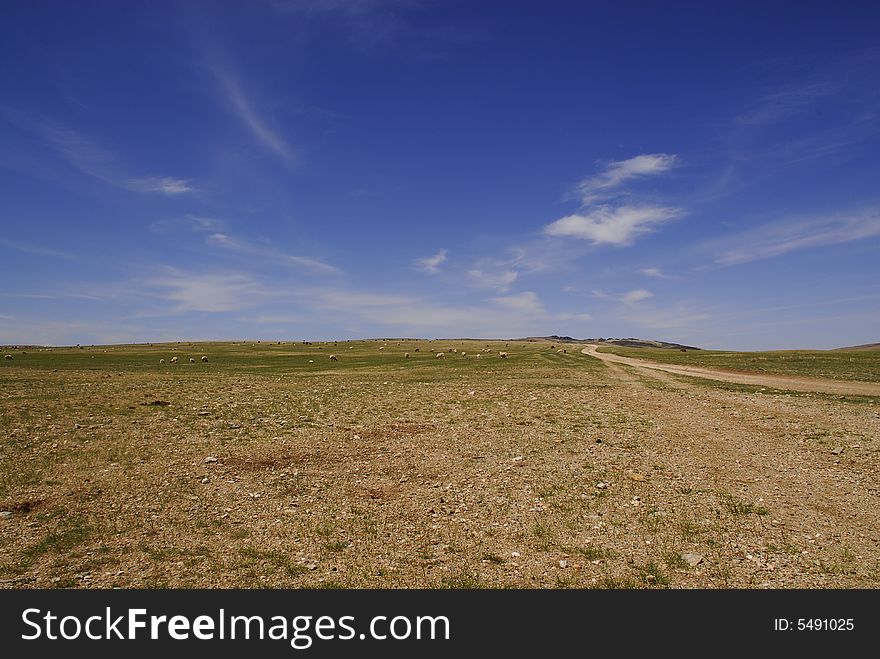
(271, 465)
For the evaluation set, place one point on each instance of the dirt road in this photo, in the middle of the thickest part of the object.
(849, 388)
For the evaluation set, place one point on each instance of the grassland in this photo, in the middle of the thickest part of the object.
(861, 365)
(273, 466)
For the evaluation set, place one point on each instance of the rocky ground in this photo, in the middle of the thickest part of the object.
(544, 470)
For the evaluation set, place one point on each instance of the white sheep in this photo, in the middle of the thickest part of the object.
(10, 357)
(416, 350)
(205, 358)
(439, 355)
(333, 358)
(161, 361)
(192, 360)
(406, 355)
(464, 354)
(174, 360)
(478, 355)
(503, 355)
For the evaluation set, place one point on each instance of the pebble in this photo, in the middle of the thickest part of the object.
(206, 480)
(563, 564)
(837, 450)
(6, 514)
(515, 554)
(210, 459)
(692, 558)
(601, 486)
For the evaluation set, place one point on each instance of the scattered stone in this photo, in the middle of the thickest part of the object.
(76, 426)
(206, 480)
(311, 566)
(601, 486)
(563, 564)
(6, 514)
(518, 458)
(636, 500)
(515, 554)
(210, 459)
(692, 558)
(837, 450)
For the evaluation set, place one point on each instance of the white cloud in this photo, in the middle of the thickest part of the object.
(607, 225)
(247, 113)
(621, 171)
(657, 273)
(525, 302)
(431, 264)
(636, 296)
(500, 281)
(777, 238)
(208, 292)
(165, 185)
(268, 252)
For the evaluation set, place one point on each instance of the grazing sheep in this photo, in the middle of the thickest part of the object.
(7, 357)
(174, 360)
(439, 355)
(381, 347)
(333, 358)
(478, 356)
(454, 350)
(503, 355)
(416, 350)
(311, 361)
(161, 361)
(464, 354)
(205, 358)
(192, 360)
(406, 355)
(560, 351)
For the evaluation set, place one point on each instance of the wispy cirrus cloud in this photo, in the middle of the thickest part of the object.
(211, 292)
(781, 237)
(618, 172)
(498, 280)
(38, 250)
(431, 264)
(246, 111)
(164, 184)
(636, 296)
(525, 302)
(88, 157)
(604, 221)
(655, 273)
(268, 252)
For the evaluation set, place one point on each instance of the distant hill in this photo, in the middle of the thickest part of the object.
(866, 346)
(625, 343)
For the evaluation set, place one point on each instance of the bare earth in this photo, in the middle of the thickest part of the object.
(846, 388)
(542, 470)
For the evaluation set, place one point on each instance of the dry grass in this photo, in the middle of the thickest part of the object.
(378, 471)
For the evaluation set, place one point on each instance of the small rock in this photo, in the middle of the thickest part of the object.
(692, 558)
(518, 458)
(515, 554)
(206, 480)
(210, 459)
(837, 450)
(601, 486)
(6, 514)
(76, 426)
(311, 566)
(471, 393)
(563, 564)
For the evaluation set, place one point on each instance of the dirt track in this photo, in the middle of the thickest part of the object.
(848, 388)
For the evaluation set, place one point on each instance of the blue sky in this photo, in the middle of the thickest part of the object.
(698, 172)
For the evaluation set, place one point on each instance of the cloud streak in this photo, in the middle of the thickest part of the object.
(778, 238)
(247, 113)
(431, 264)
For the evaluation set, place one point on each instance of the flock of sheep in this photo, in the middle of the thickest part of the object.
(333, 358)
(192, 360)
